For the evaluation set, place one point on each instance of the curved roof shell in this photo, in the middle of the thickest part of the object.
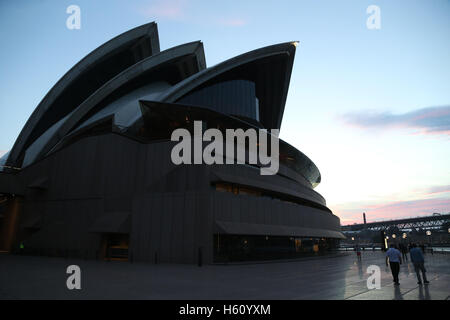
(83, 79)
(110, 82)
(269, 68)
(169, 66)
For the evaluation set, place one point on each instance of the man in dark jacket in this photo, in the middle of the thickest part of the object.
(418, 261)
(404, 251)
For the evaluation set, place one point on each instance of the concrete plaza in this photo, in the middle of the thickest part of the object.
(333, 277)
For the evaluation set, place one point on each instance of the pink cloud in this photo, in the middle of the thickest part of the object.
(179, 10)
(437, 190)
(171, 9)
(352, 213)
(424, 132)
(426, 121)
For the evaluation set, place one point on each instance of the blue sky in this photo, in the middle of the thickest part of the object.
(370, 107)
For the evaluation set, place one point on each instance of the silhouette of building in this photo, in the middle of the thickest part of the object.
(90, 174)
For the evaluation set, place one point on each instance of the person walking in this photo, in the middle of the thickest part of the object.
(358, 252)
(395, 260)
(419, 263)
(404, 250)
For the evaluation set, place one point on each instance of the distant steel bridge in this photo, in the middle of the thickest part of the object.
(435, 221)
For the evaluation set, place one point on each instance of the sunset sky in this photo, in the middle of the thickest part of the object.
(371, 108)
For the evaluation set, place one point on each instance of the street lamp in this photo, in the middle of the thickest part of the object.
(429, 239)
(404, 235)
(394, 236)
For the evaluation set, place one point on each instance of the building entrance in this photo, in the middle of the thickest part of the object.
(116, 246)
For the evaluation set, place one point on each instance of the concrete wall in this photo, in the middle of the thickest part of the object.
(173, 208)
(263, 210)
(173, 225)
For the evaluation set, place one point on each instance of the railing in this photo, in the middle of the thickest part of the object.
(362, 249)
(439, 249)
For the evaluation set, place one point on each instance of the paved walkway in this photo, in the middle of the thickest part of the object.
(338, 277)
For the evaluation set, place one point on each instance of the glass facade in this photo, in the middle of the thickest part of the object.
(159, 120)
(233, 248)
(235, 97)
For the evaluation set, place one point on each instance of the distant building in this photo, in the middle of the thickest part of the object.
(90, 174)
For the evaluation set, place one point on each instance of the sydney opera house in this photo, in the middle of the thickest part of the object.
(91, 176)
